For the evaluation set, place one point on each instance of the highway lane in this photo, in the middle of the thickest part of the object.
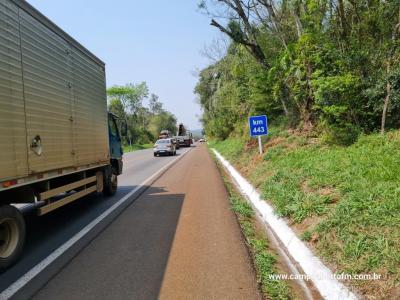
(46, 234)
(178, 240)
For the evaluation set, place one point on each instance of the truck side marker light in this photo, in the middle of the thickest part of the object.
(7, 184)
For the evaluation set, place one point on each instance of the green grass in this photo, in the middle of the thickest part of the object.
(136, 147)
(264, 259)
(347, 198)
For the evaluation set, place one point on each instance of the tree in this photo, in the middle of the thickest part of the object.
(155, 105)
(329, 63)
(239, 27)
(391, 57)
(143, 123)
(163, 121)
(130, 95)
(117, 108)
(242, 28)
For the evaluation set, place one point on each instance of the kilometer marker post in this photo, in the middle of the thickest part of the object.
(259, 144)
(258, 127)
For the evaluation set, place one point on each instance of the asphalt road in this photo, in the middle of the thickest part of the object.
(178, 240)
(46, 234)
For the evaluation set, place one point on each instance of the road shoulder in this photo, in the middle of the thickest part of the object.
(209, 259)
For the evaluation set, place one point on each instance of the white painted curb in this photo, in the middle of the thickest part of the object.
(323, 278)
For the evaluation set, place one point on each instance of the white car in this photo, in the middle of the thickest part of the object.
(165, 146)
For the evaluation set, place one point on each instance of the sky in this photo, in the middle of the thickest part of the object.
(159, 42)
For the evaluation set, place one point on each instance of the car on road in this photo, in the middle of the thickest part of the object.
(165, 146)
(202, 140)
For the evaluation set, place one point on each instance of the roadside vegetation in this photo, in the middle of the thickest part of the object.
(264, 259)
(343, 201)
(142, 112)
(136, 147)
(326, 65)
(327, 74)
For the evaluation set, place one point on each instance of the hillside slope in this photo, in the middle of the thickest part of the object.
(344, 201)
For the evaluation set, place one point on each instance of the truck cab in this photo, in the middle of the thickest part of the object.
(115, 168)
(115, 142)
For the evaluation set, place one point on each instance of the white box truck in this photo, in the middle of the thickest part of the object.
(57, 138)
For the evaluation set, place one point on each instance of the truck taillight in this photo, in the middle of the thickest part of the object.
(7, 184)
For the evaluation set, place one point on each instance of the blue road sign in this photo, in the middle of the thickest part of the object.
(258, 125)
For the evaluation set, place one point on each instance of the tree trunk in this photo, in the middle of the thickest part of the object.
(385, 106)
(285, 109)
(342, 19)
(306, 112)
(388, 84)
(299, 25)
(306, 116)
(285, 99)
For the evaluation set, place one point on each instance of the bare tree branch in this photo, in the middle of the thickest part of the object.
(252, 46)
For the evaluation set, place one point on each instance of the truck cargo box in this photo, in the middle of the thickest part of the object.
(53, 106)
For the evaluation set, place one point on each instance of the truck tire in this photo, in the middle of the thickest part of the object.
(110, 182)
(12, 235)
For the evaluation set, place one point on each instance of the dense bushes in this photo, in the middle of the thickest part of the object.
(330, 65)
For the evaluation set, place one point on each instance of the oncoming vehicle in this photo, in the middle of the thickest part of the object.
(165, 146)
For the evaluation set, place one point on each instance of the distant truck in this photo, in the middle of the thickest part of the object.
(57, 138)
(184, 137)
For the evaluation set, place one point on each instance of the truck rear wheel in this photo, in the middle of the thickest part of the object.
(110, 182)
(12, 235)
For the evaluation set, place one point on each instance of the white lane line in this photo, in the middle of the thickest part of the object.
(22, 281)
(322, 277)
